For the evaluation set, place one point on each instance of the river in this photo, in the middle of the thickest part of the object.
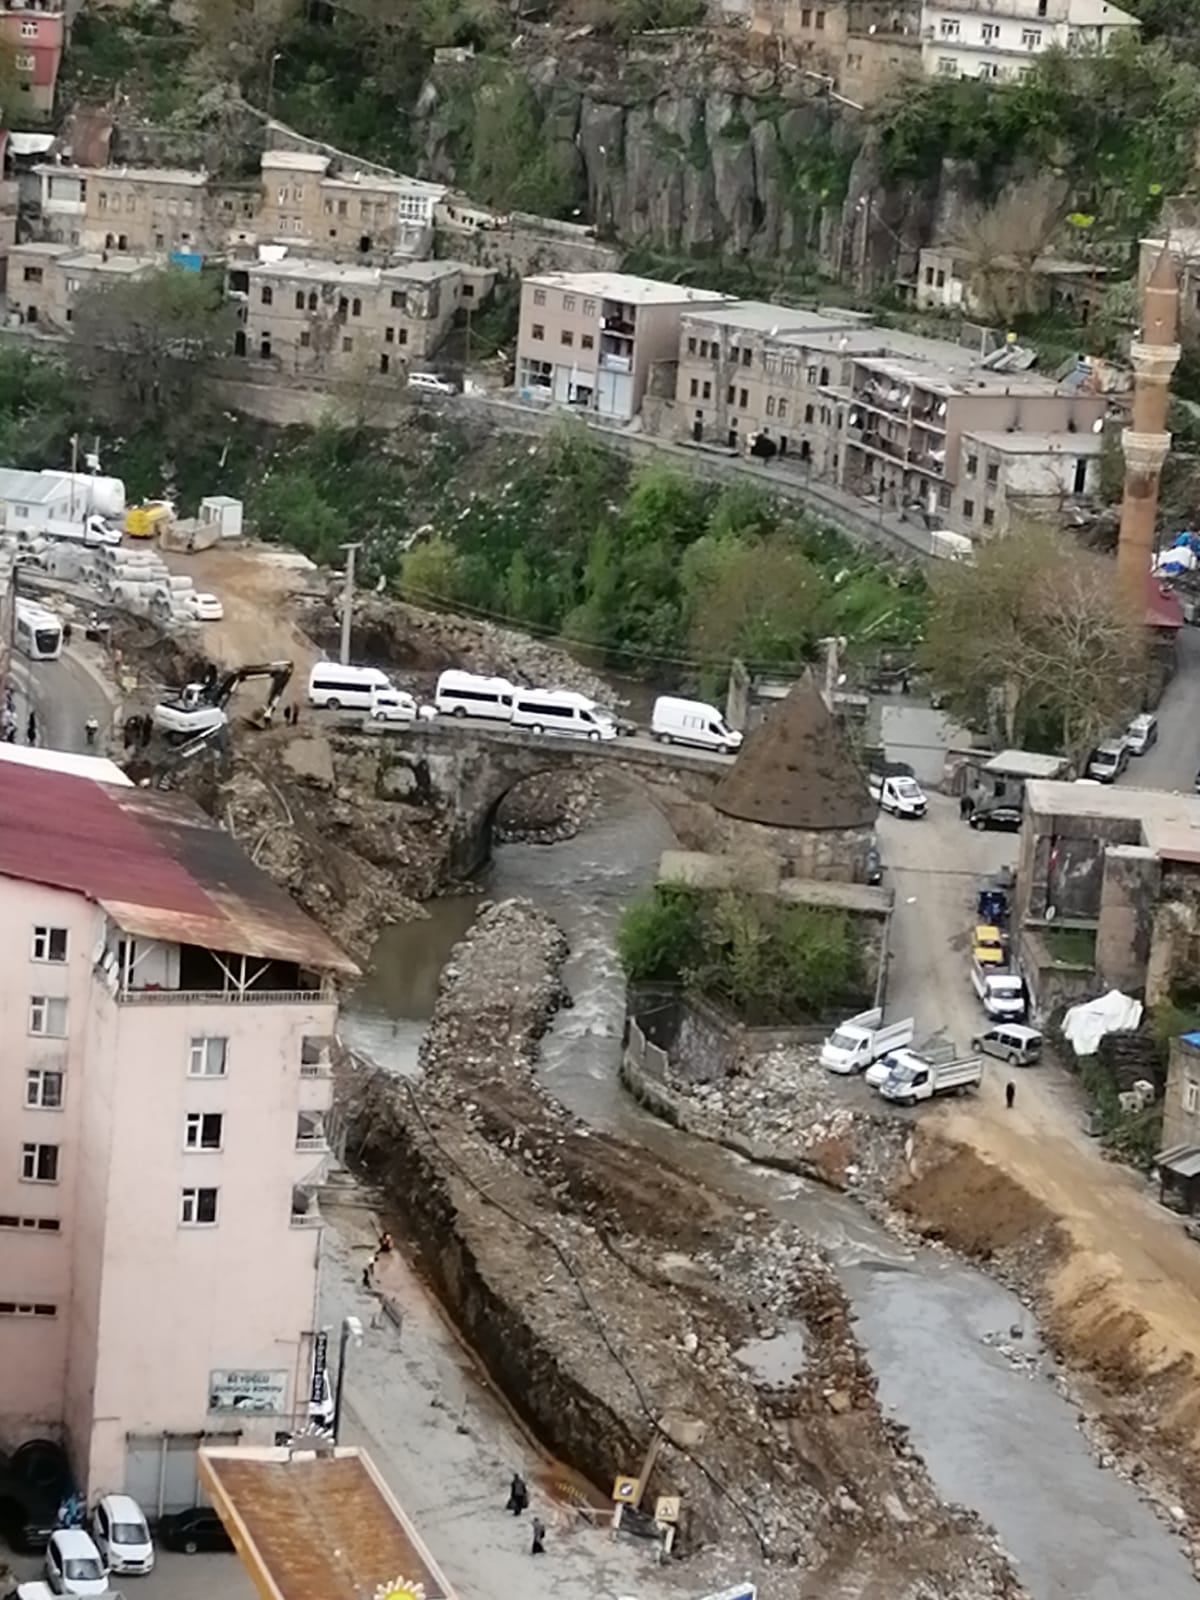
(996, 1436)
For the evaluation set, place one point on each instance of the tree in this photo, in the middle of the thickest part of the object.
(761, 599)
(1001, 244)
(1035, 638)
(141, 344)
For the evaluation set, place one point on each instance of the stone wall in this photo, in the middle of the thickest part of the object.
(1128, 899)
(835, 855)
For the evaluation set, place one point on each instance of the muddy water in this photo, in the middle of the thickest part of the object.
(995, 1432)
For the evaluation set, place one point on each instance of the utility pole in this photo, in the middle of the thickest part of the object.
(348, 602)
(276, 55)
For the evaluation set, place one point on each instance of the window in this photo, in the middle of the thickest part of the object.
(305, 339)
(299, 299)
(32, 1224)
(806, 18)
(587, 341)
(691, 347)
(783, 410)
(1191, 1095)
(343, 310)
(1031, 38)
(820, 19)
(538, 331)
(989, 69)
(15, 1308)
(993, 472)
(694, 389)
(947, 66)
(268, 295)
(403, 339)
(347, 346)
(824, 377)
(808, 413)
(48, 1016)
(968, 509)
(949, 28)
(24, 62)
(29, 30)
(49, 944)
(589, 308)
(208, 1057)
(356, 308)
(944, 496)
(43, 1089)
(747, 357)
(198, 1208)
(770, 405)
(706, 391)
(343, 208)
(972, 466)
(203, 1130)
(566, 336)
(468, 291)
(399, 299)
(568, 302)
(33, 275)
(929, 275)
(941, 278)
(990, 32)
(312, 299)
(101, 201)
(389, 336)
(989, 516)
(39, 1163)
(743, 399)
(539, 297)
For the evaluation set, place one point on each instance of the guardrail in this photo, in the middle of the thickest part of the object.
(222, 997)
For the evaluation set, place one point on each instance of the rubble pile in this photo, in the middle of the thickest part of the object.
(612, 1296)
(546, 809)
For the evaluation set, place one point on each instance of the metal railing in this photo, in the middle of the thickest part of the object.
(221, 997)
(307, 1219)
(316, 1069)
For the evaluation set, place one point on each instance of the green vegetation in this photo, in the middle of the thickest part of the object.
(1071, 947)
(1136, 1136)
(140, 52)
(771, 963)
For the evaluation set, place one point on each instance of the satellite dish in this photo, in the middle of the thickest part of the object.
(1098, 425)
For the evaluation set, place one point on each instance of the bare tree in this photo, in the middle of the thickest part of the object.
(1000, 245)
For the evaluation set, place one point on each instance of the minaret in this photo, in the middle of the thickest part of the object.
(1146, 442)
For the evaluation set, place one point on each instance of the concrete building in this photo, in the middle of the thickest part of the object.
(1120, 866)
(34, 31)
(1007, 477)
(46, 279)
(944, 283)
(169, 1013)
(137, 209)
(304, 204)
(30, 500)
(589, 339)
(998, 39)
(311, 316)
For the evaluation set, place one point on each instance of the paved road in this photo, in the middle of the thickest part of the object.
(64, 694)
(1174, 760)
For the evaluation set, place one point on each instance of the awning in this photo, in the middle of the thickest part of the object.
(1181, 1159)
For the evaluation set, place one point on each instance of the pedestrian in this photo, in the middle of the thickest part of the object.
(385, 1244)
(66, 632)
(538, 1547)
(367, 1282)
(1010, 1094)
(965, 807)
(91, 728)
(518, 1495)
(31, 729)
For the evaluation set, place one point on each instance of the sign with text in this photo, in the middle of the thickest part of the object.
(319, 1368)
(247, 1389)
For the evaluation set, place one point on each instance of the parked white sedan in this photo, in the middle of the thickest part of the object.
(207, 608)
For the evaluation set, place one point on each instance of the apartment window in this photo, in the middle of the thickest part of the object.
(972, 466)
(31, 1224)
(808, 413)
(29, 30)
(538, 331)
(587, 341)
(806, 18)
(694, 389)
(1191, 1095)
(706, 391)
(770, 405)
(299, 299)
(747, 357)
(568, 302)
(347, 346)
(941, 278)
(824, 377)
(783, 410)
(305, 339)
(993, 472)
(101, 200)
(48, 1016)
(39, 1163)
(49, 944)
(704, 349)
(944, 496)
(203, 1130)
(948, 28)
(33, 275)
(27, 1308)
(24, 62)
(566, 336)
(691, 347)
(389, 336)
(744, 399)
(403, 336)
(969, 510)
(356, 308)
(947, 67)
(730, 395)
(539, 297)
(198, 1208)
(989, 516)
(1031, 38)
(208, 1057)
(312, 299)
(399, 299)
(820, 19)
(589, 308)
(43, 1089)
(990, 32)
(343, 208)
(268, 295)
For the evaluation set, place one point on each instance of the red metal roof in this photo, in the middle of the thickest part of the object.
(70, 833)
(1162, 608)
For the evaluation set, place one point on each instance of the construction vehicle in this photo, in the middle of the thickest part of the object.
(147, 521)
(200, 708)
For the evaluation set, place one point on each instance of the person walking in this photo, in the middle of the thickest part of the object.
(31, 729)
(1010, 1094)
(91, 728)
(518, 1495)
(965, 807)
(538, 1547)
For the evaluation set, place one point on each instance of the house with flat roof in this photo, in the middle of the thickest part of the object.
(45, 280)
(170, 1015)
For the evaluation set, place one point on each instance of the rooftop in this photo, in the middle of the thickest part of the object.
(795, 770)
(318, 1527)
(31, 488)
(321, 270)
(947, 369)
(294, 161)
(177, 175)
(155, 862)
(1086, 443)
(98, 768)
(760, 316)
(623, 286)
(1025, 764)
(1170, 823)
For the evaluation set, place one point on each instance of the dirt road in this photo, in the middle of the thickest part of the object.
(1124, 1296)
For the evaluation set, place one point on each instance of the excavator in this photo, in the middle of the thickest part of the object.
(199, 710)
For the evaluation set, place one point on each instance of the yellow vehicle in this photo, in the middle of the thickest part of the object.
(145, 522)
(989, 948)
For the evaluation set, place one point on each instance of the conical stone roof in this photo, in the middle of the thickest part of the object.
(796, 770)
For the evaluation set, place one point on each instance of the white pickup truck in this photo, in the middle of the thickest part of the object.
(857, 1042)
(1001, 991)
(911, 1077)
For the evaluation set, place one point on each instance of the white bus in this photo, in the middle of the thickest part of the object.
(335, 686)
(562, 711)
(37, 632)
(466, 694)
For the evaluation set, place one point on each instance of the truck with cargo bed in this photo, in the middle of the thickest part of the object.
(912, 1078)
(861, 1040)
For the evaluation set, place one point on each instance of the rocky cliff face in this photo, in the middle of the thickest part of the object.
(703, 149)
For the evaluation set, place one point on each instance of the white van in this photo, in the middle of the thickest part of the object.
(392, 705)
(335, 686)
(692, 722)
(431, 383)
(562, 711)
(465, 694)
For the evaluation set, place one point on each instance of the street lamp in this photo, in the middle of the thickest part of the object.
(351, 1329)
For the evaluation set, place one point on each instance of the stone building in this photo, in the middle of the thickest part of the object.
(45, 280)
(796, 796)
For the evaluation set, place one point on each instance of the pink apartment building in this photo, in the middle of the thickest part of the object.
(32, 32)
(168, 1012)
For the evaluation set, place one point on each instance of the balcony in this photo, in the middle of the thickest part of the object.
(310, 1132)
(221, 997)
(306, 1213)
(615, 363)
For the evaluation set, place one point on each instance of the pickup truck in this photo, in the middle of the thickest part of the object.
(911, 1077)
(1000, 990)
(897, 792)
(857, 1042)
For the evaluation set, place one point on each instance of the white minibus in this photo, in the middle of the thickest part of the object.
(335, 686)
(37, 633)
(465, 694)
(675, 721)
(561, 711)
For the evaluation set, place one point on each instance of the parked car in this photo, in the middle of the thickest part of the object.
(121, 1534)
(74, 1565)
(1108, 761)
(207, 608)
(392, 705)
(34, 1483)
(430, 383)
(1013, 1042)
(192, 1531)
(1141, 734)
(1005, 818)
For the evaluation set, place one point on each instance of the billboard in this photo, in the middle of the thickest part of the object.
(248, 1389)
